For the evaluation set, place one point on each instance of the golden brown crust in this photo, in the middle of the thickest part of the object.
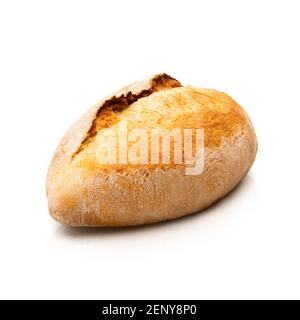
(83, 193)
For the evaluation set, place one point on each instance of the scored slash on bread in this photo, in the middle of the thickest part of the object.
(125, 97)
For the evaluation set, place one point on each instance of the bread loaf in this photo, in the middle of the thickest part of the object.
(95, 181)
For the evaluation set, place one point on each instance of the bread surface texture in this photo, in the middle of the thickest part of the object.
(82, 190)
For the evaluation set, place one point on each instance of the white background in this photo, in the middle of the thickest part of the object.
(57, 58)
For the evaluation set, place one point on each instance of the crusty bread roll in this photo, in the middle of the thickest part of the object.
(84, 191)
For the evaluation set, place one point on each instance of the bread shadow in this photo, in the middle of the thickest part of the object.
(234, 197)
